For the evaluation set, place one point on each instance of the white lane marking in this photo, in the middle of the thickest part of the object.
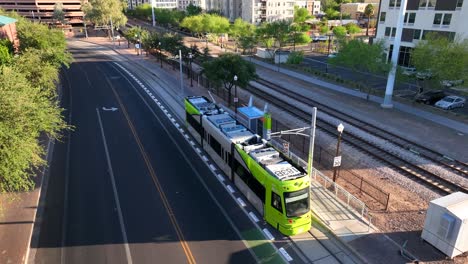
(212, 167)
(230, 188)
(241, 202)
(192, 143)
(268, 234)
(285, 254)
(220, 177)
(177, 125)
(116, 196)
(198, 150)
(181, 130)
(254, 217)
(186, 136)
(205, 158)
(189, 161)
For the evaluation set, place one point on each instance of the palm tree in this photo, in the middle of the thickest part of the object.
(369, 11)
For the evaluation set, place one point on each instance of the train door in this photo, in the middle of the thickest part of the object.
(274, 207)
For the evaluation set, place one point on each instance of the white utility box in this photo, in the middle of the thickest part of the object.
(265, 53)
(446, 224)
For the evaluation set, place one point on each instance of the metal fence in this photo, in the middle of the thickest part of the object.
(333, 188)
(323, 159)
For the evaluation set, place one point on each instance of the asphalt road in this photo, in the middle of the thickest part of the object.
(124, 186)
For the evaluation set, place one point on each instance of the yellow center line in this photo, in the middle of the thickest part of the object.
(184, 244)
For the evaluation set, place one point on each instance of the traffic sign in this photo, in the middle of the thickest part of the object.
(337, 161)
(236, 99)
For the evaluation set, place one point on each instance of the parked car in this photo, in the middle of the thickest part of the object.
(409, 71)
(450, 102)
(332, 55)
(430, 97)
(450, 83)
(423, 75)
(319, 38)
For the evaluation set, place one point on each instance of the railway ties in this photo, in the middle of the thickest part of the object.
(406, 167)
(450, 164)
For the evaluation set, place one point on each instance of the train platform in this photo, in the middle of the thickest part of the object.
(339, 227)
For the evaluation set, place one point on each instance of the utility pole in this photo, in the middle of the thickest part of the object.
(181, 76)
(395, 53)
(152, 12)
(112, 32)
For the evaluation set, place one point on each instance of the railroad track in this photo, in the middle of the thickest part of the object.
(406, 168)
(451, 164)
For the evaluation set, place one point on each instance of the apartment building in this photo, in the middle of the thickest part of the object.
(312, 6)
(356, 10)
(446, 17)
(43, 10)
(182, 4)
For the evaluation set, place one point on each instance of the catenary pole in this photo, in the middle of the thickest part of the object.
(311, 142)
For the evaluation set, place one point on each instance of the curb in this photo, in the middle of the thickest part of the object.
(316, 219)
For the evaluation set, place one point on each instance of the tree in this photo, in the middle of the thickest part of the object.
(28, 106)
(247, 43)
(6, 51)
(278, 30)
(264, 36)
(369, 12)
(103, 12)
(298, 28)
(221, 71)
(359, 56)
(59, 15)
(194, 24)
(172, 43)
(143, 11)
(331, 14)
(353, 28)
(339, 32)
(301, 15)
(241, 29)
(445, 59)
(167, 17)
(50, 42)
(193, 10)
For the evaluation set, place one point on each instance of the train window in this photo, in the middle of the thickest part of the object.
(250, 180)
(215, 145)
(191, 120)
(276, 202)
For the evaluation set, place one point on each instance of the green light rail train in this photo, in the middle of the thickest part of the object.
(273, 184)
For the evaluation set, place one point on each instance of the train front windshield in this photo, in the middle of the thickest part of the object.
(297, 203)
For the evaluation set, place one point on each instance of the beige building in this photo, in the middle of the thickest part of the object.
(356, 10)
(43, 10)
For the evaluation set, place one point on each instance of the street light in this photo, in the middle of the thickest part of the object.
(236, 100)
(340, 129)
(160, 53)
(137, 45)
(190, 73)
